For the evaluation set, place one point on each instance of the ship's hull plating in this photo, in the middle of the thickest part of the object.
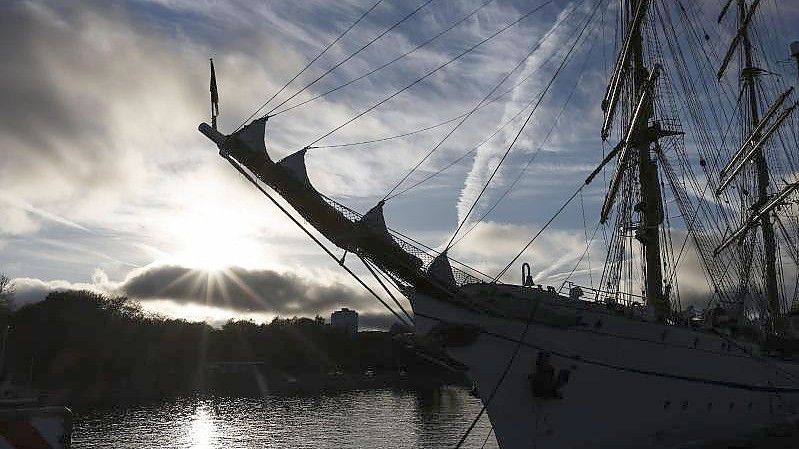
(587, 377)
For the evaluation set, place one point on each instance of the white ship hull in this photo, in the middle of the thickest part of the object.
(628, 383)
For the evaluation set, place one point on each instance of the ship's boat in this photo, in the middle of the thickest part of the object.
(27, 418)
(624, 363)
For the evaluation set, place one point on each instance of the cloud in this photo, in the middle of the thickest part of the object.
(215, 296)
(30, 290)
(16, 221)
(13, 205)
(101, 107)
(552, 256)
(243, 290)
(59, 157)
(487, 158)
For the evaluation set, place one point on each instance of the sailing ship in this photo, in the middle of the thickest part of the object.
(621, 364)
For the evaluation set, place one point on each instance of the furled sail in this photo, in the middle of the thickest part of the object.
(295, 164)
(441, 271)
(368, 236)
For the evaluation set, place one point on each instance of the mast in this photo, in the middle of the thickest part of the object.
(635, 145)
(753, 150)
(749, 74)
(650, 207)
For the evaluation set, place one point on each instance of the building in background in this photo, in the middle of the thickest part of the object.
(345, 319)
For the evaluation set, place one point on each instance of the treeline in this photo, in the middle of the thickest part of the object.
(92, 347)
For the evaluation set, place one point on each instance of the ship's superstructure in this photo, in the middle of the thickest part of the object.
(622, 364)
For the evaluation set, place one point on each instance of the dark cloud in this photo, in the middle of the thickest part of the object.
(243, 290)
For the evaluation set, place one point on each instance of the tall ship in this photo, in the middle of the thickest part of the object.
(701, 158)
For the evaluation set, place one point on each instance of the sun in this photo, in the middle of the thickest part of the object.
(212, 241)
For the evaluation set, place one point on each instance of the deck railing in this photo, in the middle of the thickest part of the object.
(426, 254)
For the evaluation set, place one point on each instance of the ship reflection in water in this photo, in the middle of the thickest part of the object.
(374, 418)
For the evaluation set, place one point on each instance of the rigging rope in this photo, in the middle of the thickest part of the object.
(739, 263)
(383, 139)
(285, 211)
(385, 287)
(437, 125)
(490, 431)
(546, 225)
(340, 36)
(586, 251)
(536, 152)
(502, 376)
(475, 108)
(484, 141)
(373, 71)
(588, 242)
(430, 73)
(352, 55)
(526, 121)
(446, 122)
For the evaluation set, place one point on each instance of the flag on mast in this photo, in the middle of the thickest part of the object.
(214, 96)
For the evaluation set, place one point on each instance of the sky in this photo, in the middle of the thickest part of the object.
(105, 183)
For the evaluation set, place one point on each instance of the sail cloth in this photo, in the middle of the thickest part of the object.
(440, 271)
(378, 239)
(249, 141)
(368, 236)
(295, 164)
(375, 220)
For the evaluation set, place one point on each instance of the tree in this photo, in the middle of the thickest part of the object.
(7, 291)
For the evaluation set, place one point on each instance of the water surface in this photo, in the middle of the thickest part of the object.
(358, 419)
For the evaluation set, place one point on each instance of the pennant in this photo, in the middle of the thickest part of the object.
(214, 91)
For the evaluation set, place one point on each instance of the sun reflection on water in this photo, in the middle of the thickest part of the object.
(202, 432)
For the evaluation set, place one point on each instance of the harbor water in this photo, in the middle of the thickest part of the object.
(356, 419)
